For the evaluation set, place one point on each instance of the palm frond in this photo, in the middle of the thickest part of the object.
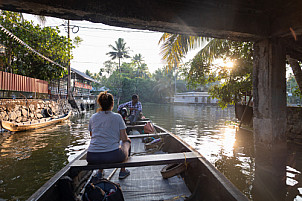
(175, 46)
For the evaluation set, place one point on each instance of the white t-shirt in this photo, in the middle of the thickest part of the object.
(105, 127)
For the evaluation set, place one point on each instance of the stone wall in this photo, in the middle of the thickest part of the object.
(22, 110)
(294, 124)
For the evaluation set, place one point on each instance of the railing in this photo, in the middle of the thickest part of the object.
(14, 82)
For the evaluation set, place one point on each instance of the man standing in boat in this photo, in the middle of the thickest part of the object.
(135, 108)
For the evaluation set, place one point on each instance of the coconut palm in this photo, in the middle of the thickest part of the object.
(175, 46)
(143, 70)
(137, 59)
(201, 68)
(163, 82)
(120, 51)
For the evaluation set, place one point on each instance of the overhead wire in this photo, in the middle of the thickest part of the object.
(84, 27)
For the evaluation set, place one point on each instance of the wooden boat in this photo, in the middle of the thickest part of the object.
(199, 181)
(138, 122)
(11, 126)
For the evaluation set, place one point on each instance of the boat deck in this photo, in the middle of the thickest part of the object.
(146, 182)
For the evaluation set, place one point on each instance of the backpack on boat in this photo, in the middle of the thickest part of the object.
(149, 128)
(103, 190)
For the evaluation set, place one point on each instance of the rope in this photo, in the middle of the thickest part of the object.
(151, 151)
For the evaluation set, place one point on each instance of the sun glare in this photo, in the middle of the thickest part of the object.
(229, 64)
(223, 63)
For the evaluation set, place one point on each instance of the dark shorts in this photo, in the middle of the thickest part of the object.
(115, 156)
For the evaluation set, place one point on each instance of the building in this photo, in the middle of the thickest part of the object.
(81, 85)
(194, 97)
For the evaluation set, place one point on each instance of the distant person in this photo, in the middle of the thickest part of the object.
(106, 130)
(135, 108)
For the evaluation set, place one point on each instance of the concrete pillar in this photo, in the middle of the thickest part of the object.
(269, 85)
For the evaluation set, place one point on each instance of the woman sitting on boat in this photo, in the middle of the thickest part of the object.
(106, 130)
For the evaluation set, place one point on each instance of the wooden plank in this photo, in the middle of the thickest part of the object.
(134, 126)
(138, 122)
(148, 135)
(146, 160)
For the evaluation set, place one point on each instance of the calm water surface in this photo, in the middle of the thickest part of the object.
(29, 159)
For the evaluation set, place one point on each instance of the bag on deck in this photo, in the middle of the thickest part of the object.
(149, 128)
(103, 190)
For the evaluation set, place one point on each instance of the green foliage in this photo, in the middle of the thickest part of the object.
(109, 67)
(235, 82)
(231, 91)
(45, 40)
(129, 81)
(293, 92)
(202, 70)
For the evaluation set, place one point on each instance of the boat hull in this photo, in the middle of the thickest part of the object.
(24, 127)
(202, 179)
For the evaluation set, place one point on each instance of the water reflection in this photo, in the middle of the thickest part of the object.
(20, 145)
(29, 159)
(210, 130)
(293, 172)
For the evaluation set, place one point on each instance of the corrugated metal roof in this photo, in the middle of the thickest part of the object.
(84, 75)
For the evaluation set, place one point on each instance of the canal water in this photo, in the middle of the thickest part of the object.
(29, 159)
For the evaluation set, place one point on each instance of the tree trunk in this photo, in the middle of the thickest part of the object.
(119, 82)
(296, 70)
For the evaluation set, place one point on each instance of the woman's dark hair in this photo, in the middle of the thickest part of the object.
(105, 100)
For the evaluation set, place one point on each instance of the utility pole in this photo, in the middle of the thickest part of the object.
(68, 66)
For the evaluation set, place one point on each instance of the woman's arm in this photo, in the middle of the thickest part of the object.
(124, 136)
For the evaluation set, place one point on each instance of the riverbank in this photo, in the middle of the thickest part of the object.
(29, 110)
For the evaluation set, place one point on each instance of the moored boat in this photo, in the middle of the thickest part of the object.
(200, 180)
(12, 126)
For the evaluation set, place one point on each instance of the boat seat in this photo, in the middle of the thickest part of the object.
(148, 135)
(136, 161)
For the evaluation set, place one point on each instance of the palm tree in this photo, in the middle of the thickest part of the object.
(119, 52)
(201, 68)
(163, 83)
(142, 68)
(137, 59)
(175, 46)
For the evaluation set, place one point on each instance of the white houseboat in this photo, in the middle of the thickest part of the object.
(194, 97)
